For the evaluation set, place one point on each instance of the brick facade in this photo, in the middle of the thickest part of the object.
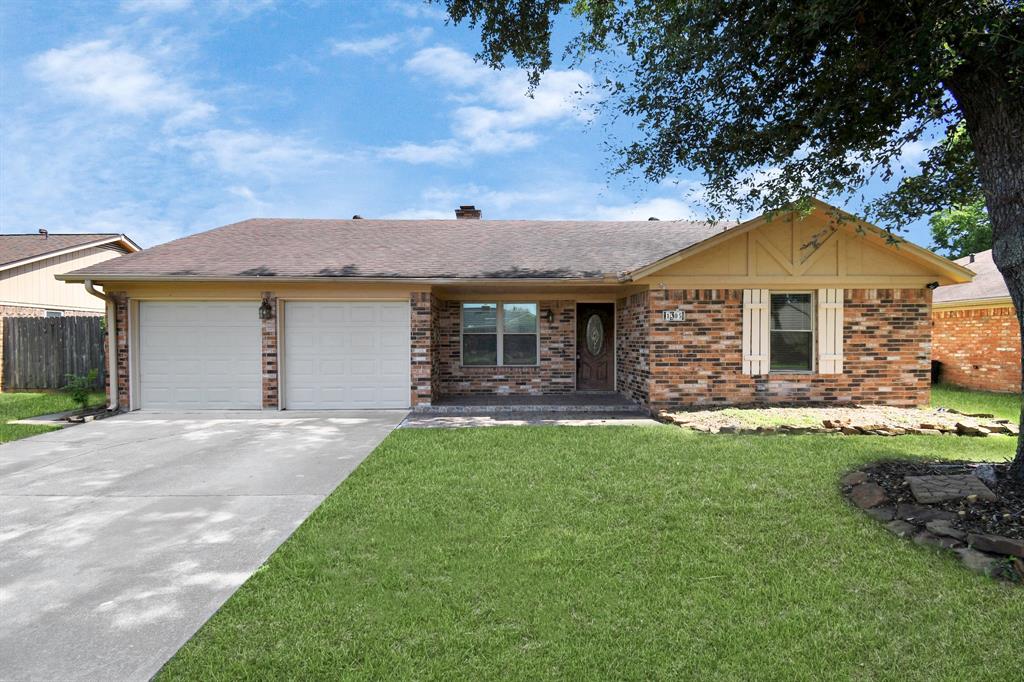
(424, 334)
(632, 368)
(886, 347)
(979, 348)
(269, 361)
(555, 374)
(121, 343)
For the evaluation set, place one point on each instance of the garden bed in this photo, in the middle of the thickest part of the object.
(974, 509)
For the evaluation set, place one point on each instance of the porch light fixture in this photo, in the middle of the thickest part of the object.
(932, 286)
(266, 311)
(549, 316)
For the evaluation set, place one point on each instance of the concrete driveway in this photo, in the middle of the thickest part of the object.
(119, 538)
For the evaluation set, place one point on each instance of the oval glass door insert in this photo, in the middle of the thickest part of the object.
(595, 335)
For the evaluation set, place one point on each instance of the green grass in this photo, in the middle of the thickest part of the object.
(1002, 405)
(25, 405)
(611, 553)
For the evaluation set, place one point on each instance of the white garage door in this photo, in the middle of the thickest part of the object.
(202, 355)
(346, 355)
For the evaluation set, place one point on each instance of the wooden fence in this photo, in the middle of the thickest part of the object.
(39, 352)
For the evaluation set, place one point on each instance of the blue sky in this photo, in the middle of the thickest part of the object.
(159, 118)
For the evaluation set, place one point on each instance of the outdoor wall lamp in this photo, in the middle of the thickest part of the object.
(549, 316)
(932, 286)
(266, 311)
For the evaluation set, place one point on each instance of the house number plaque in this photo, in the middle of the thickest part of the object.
(674, 315)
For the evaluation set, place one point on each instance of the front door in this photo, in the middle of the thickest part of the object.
(595, 346)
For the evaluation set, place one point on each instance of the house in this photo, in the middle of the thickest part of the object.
(28, 263)
(975, 330)
(310, 314)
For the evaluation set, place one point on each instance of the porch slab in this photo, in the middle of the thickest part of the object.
(419, 420)
(570, 402)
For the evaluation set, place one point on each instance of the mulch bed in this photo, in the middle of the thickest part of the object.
(1003, 517)
(985, 528)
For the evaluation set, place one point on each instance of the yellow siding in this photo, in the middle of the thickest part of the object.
(241, 291)
(796, 251)
(34, 284)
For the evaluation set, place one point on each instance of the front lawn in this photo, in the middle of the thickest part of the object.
(25, 405)
(1002, 405)
(611, 553)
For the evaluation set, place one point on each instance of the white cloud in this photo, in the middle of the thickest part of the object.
(493, 112)
(444, 152)
(663, 208)
(416, 9)
(369, 46)
(154, 6)
(253, 153)
(118, 79)
(380, 44)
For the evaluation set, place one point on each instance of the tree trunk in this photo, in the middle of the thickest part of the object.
(994, 113)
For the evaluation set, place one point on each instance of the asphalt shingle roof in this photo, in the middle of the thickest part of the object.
(462, 249)
(18, 247)
(988, 283)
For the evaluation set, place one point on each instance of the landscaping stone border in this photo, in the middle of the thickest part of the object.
(996, 556)
(942, 421)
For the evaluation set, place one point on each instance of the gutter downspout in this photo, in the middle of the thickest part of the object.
(111, 344)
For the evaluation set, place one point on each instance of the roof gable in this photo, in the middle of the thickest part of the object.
(824, 244)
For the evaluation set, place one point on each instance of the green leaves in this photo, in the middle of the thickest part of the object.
(962, 230)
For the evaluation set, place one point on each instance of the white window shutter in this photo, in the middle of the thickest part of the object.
(756, 303)
(830, 331)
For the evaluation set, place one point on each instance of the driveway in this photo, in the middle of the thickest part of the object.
(119, 538)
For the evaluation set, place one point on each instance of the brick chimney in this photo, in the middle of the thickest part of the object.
(469, 212)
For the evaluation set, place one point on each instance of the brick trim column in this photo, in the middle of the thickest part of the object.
(121, 341)
(268, 353)
(422, 319)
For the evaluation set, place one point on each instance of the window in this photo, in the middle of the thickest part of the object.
(498, 334)
(54, 313)
(792, 333)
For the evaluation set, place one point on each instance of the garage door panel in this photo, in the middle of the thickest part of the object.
(199, 355)
(358, 359)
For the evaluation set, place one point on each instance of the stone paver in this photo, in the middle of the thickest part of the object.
(517, 418)
(939, 488)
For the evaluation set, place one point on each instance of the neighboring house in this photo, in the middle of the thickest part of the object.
(310, 314)
(28, 263)
(975, 331)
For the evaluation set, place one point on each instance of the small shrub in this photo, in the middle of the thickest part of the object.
(80, 386)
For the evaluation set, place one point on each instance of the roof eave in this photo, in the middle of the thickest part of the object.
(128, 244)
(99, 278)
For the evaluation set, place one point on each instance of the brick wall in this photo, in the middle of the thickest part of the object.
(886, 351)
(631, 346)
(121, 340)
(424, 334)
(269, 360)
(979, 348)
(556, 373)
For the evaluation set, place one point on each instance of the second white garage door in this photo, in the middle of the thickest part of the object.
(346, 355)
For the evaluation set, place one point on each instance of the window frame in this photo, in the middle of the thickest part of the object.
(499, 332)
(813, 331)
(52, 314)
